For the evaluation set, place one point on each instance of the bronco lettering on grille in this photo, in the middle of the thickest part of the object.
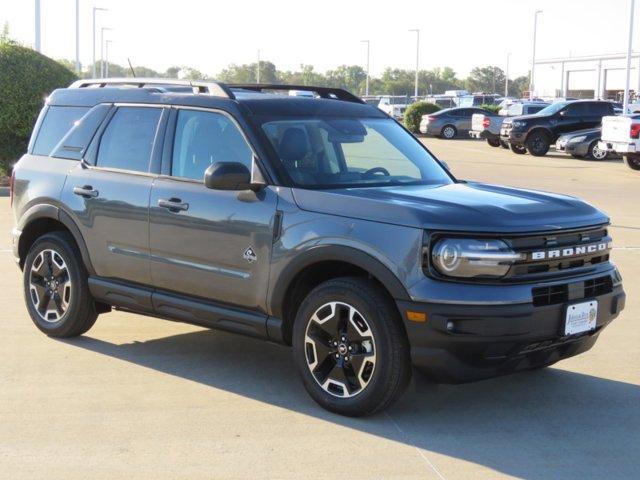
(571, 251)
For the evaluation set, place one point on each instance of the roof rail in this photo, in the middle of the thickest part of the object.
(198, 86)
(324, 92)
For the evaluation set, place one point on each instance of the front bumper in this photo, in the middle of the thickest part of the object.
(573, 148)
(466, 342)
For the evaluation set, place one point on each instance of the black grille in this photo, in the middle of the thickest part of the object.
(550, 295)
(598, 286)
(530, 268)
(555, 294)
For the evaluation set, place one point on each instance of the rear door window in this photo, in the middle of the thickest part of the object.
(57, 122)
(127, 142)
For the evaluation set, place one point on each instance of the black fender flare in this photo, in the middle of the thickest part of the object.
(47, 210)
(338, 253)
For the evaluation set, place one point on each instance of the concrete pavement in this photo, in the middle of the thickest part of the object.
(143, 398)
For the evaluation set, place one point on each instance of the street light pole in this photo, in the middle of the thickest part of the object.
(258, 69)
(417, 30)
(533, 57)
(102, 30)
(106, 58)
(77, 36)
(37, 25)
(625, 104)
(506, 77)
(95, 9)
(366, 88)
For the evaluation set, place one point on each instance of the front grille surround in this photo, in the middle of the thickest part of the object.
(530, 270)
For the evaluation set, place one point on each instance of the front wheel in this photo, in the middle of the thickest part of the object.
(632, 161)
(518, 149)
(55, 287)
(350, 347)
(596, 153)
(494, 142)
(538, 144)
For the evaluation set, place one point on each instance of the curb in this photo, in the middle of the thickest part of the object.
(4, 191)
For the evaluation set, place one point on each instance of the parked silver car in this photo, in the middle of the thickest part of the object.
(450, 122)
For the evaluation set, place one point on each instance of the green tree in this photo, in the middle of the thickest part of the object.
(350, 77)
(26, 78)
(485, 79)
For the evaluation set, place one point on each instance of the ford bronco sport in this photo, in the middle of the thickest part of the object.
(319, 223)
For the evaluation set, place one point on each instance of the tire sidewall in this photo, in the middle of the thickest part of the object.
(633, 162)
(367, 399)
(66, 323)
(538, 137)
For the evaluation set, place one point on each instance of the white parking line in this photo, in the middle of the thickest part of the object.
(419, 450)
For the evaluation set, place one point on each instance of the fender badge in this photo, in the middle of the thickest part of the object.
(249, 255)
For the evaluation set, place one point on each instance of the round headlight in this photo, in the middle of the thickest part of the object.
(467, 258)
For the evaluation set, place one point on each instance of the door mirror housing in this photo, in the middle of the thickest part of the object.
(563, 113)
(229, 176)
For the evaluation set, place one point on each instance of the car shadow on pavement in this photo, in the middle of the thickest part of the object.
(544, 424)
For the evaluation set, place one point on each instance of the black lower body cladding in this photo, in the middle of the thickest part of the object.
(462, 343)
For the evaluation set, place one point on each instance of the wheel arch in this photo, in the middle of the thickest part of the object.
(317, 265)
(44, 218)
(542, 129)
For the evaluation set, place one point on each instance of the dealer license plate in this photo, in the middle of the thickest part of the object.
(581, 317)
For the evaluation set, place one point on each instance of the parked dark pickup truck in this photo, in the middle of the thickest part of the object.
(536, 133)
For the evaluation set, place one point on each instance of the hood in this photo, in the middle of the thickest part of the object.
(524, 118)
(591, 132)
(469, 207)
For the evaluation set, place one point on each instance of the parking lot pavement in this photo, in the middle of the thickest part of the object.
(143, 398)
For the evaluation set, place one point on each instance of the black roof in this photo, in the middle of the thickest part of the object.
(254, 99)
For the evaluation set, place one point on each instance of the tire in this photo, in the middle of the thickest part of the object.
(322, 343)
(54, 264)
(538, 144)
(494, 142)
(595, 153)
(632, 161)
(448, 132)
(517, 149)
(504, 145)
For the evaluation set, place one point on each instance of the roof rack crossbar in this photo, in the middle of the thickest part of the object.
(324, 92)
(211, 88)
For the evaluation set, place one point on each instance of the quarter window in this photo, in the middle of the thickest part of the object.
(204, 138)
(57, 122)
(128, 139)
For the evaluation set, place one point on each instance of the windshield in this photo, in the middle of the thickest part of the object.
(348, 152)
(553, 108)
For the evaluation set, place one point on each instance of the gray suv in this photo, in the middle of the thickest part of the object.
(319, 223)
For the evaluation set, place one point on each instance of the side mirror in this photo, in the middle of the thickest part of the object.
(563, 113)
(228, 176)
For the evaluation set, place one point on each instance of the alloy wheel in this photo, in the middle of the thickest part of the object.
(597, 153)
(448, 132)
(340, 349)
(50, 285)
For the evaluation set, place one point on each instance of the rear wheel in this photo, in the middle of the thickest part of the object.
(448, 132)
(632, 161)
(494, 142)
(596, 153)
(504, 144)
(538, 144)
(350, 347)
(519, 149)
(55, 287)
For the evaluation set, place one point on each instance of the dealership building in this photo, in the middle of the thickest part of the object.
(597, 76)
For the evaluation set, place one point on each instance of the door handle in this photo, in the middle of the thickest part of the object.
(86, 191)
(173, 204)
